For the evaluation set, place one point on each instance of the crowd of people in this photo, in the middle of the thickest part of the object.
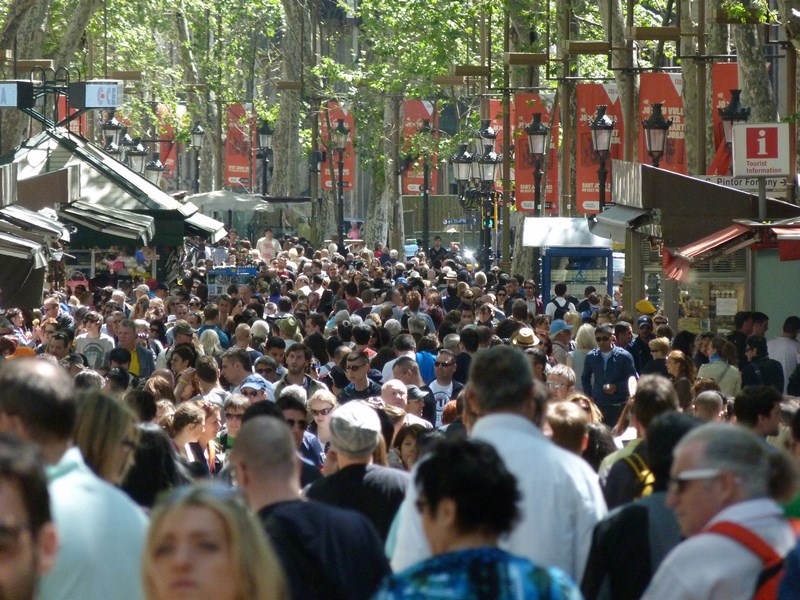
(353, 425)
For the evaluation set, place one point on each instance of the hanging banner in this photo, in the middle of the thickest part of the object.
(665, 89)
(496, 117)
(167, 149)
(414, 114)
(724, 78)
(238, 148)
(332, 113)
(525, 105)
(587, 187)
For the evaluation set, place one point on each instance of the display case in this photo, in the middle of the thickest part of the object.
(578, 268)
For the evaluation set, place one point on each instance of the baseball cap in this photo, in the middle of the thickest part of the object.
(558, 326)
(254, 382)
(414, 393)
(644, 320)
(142, 288)
(354, 428)
(288, 325)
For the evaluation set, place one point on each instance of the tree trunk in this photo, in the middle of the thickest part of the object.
(754, 80)
(74, 32)
(385, 192)
(688, 46)
(287, 180)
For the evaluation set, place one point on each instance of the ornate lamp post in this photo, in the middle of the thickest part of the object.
(487, 167)
(198, 134)
(154, 169)
(340, 135)
(537, 144)
(265, 132)
(426, 130)
(462, 173)
(602, 128)
(137, 155)
(731, 114)
(655, 133)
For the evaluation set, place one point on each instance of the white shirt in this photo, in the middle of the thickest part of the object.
(442, 394)
(550, 308)
(785, 351)
(561, 500)
(268, 249)
(711, 566)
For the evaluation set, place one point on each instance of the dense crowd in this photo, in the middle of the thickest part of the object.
(350, 423)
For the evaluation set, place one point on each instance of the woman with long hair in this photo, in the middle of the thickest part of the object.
(720, 367)
(105, 431)
(584, 343)
(204, 542)
(184, 427)
(209, 340)
(683, 372)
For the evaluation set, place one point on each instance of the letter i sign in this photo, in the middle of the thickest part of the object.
(762, 142)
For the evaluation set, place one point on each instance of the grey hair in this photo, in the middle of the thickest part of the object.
(451, 342)
(735, 449)
(564, 371)
(297, 392)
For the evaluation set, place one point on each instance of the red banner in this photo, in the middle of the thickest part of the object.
(664, 89)
(335, 112)
(78, 126)
(167, 150)
(496, 116)
(525, 105)
(587, 186)
(238, 148)
(724, 78)
(414, 114)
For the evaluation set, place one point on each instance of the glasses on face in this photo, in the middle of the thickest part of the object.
(233, 416)
(443, 364)
(602, 338)
(353, 368)
(679, 481)
(322, 412)
(265, 371)
(250, 393)
(299, 423)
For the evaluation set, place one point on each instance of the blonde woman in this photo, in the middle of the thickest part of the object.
(320, 406)
(106, 433)
(584, 343)
(204, 542)
(209, 340)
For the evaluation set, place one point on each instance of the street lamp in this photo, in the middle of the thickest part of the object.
(265, 132)
(198, 134)
(655, 133)
(125, 143)
(487, 168)
(462, 173)
(340, 135)
(602, 128)
(154, 169)
(137, 155)
(731, 114)
(537, 144)
(111, 129)
(426, 130)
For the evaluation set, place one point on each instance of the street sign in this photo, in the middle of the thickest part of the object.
(775, 185)
(761, 149)
(459, 221)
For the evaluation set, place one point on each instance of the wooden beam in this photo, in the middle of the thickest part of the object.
(28, 64)
(447, 80)
(588, 47)
(126, 75)
(525, 58)
(288, 85)
(470, 71)
(665, 34)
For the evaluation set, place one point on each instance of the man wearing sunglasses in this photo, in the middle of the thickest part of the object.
(720, 491)
(444, 388)
(360, 387)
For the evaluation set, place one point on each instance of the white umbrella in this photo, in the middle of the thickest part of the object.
(222, 200)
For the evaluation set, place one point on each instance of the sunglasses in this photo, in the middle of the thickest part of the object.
(296, 423)
(264, 371)
(233, 416)
(603, 338)
(443, 364)
(323, 412)
(353, 368)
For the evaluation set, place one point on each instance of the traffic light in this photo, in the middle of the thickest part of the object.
(488, 219)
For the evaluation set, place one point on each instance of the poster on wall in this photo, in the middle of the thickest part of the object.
(414, 114)
(525, 105)
(724, 78)
(665, 89)
(239, 148)
(587, 187)
(332, 112)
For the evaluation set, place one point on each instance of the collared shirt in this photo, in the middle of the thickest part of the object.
(561, 500)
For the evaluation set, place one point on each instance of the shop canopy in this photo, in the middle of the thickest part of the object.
(560, 232)
(101, 180)
(119, 223)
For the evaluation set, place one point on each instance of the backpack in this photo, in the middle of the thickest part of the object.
(770, 577)
(561, 309)
(644, 476)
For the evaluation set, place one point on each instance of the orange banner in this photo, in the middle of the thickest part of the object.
(414, 114)
(587, 186)
(724, 78)
(664, 89)
(525, 105)
(335, 112)
(496, 116)
(238, 148)
(78, 126)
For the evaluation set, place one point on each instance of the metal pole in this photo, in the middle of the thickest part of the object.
(341, 198)
(602, 173)
(762, 199)
(537, 186)
(264, 169)
(426, 215)
(197, 170)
